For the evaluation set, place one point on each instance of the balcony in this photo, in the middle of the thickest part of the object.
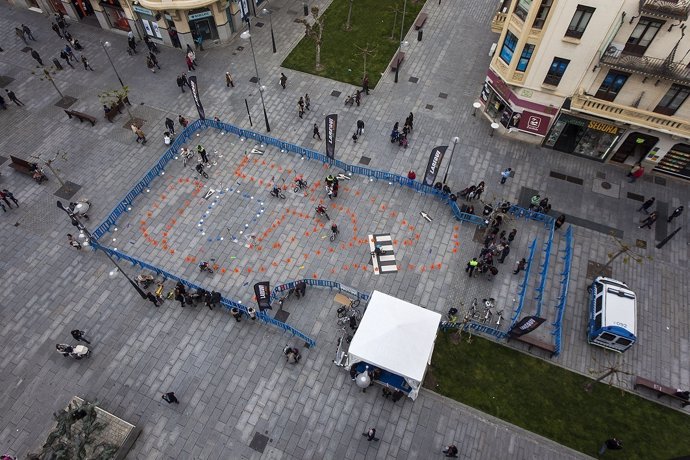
(630, 115)
(498, 21)
(649, 67)
(677, 10)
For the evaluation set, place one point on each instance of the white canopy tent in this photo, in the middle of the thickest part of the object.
(396, 336)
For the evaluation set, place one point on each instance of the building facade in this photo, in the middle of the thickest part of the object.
(169, 22)
(604, 79)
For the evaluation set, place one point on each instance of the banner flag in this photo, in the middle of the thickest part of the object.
(331, 125)
(195, 95)
(263, 295)
(434, 164)
(525, 326)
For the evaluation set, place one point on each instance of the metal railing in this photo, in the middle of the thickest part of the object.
(565, 281)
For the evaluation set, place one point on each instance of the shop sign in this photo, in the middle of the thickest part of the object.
(204, 14)
(534, 123)
(140, 9)
(605, 127)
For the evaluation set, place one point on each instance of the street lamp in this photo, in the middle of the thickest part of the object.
(246, 35)
(455, 142)
(75, 221)
(402, 26)
(270, 19)
(105, 46)
(494, 127)
(476, 105)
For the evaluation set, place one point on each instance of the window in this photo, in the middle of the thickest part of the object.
(579, 22)
(522, 8)
(525, 57)
(542, 14)
(558, 66)
(673, 99)
(611, 85)
(508, 48)
(642, 36)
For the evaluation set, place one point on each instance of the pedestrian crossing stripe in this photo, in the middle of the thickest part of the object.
(384, 263)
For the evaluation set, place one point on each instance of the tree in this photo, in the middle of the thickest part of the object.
(623, 248)
(76, 436)
(365, 52)
(314, 31)
(46, 73)
(348, 26)
(116, 96)
(613, 371)
(49, 165)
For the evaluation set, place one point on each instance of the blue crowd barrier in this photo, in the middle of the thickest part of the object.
(277, 290)
(565, 282)
(544, 271)
(522, 288)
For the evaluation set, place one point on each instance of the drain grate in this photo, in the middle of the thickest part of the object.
(364, 161)
(429, 107)
(635, 196)
(413, 80)
(259, 442)
(5, 80)
(336, 93)
(259, 24)
(567, 178)
(66, 102)
(282, 315)
(68, 190)
(443, 95)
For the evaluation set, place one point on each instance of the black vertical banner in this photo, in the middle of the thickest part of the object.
(262, 290)
(525, 326)
(331, 125)
(434, 164)
(195, 94)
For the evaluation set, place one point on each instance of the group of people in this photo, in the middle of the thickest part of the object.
(651, 218)
(209, 298)
(6, 196)
(496, 248)
(401, 136)
(473, 192)
(332, 186)
(303, 104)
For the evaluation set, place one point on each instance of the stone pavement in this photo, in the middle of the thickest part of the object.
(230, 378)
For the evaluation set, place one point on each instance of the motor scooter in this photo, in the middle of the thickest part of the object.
(73, 351)
(80, 208)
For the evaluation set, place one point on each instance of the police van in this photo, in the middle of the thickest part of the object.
(612, 315)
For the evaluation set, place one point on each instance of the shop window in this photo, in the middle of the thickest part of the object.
(673, 99)
(676, 162)
(580, 21)
(508, 48)
(556, 71)
(542, 14)
(611, 85)
(522, 8)
(525, 57)
(642, 36)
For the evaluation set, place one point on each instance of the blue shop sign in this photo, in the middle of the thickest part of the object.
(143, 10)
(195, 16)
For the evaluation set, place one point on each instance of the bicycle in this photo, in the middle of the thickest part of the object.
(321, 211)
(300, 184)
(349, 306)
(340, 354)
(334, 232)
(186, 155)
(278, 193)
(287, 295)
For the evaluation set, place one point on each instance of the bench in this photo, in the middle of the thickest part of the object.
(81, 116)
(421, 19)
(662, 390)
(397, 60)
(21, 166)
(534, 342)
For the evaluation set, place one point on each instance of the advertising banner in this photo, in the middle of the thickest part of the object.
(525, 326)
(195, 95)
(434, 164)
(262, 290)
(331, 125)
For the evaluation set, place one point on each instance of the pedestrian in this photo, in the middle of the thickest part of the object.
(504, 254)
(612, 444)
(522, 263)
(61, 22)
(10, 195)
(676, 212)
(649, 220)
(20, 34)
(411, 175)
(358, 97)
(479, 190)
(174, 38)
(79, 336)
(360, 127)
(560, 220)
(307, 101)
(3, 106)
(202, 153)
(409, 121)
(70, 53)
(170, 125)
(471, 266)
(170, 398)
(72, 242)
(65, 56)
(493, 271)
(300, 289)
(646, 205)
(191, 54)
(27, 32)
(4, 196)
(180, 293)
(151, 297)
(451, 451)
(35, 55)
(215, 299)
(365, 84)
(56, 29)
(283, 80)
(300, 107)
(185, 80)
(140, 134)
(397, 395)
(182, 121)
(354, 137)
(635, 172)
(199, 42)
(154, 59)
(13, 97)
(505, 175)
(316, 132)
(228, 80)
(371, 435)
(190, 63)
(85, 61)
(180, 83)
(150, 64)
(235, 312)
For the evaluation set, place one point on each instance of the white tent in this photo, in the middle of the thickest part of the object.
(396, 336)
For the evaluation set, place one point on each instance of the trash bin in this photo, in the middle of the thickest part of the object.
(419, 35)
(57, 64)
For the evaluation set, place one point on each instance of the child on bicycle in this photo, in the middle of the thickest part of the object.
(334, 229)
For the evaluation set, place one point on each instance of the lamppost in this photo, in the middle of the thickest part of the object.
(494, 127)
(105, 46)
(75, 221)
(270, 20)
(246, 35)
(402, 27)
(476, 105)
(456, 139)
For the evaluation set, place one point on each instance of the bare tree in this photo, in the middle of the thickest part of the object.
(348, 26)
(314, 31)
(46, 73)
(49, 164)
(396, 10)
(119, 95)
(364, 52)
(613, 371)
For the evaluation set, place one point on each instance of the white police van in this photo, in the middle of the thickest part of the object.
(612, 315)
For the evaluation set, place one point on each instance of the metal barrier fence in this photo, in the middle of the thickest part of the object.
(318, 283)
(565, 281)
(523, 286)
(544, 270)
(227, 303)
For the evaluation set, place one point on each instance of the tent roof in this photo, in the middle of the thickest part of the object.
(396, 335)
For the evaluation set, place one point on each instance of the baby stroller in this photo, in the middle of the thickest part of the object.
(402, 140)
(395, 136)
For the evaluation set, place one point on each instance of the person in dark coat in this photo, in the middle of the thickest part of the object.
(560, 220)
(649, 220)
(646, 205)
(676, 212)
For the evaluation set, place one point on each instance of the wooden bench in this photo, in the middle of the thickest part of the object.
(81, 116)
(421, 19)
(397, 60)
(21, 166)
(534, 342)
(661, 390)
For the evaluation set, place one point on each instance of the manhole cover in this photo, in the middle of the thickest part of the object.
(259, 442)
(282, 315)
(413, 80)
(68, 190)
(336, 93)
(66, 102)
(443, 95)
(364, 161)
(429, 107)
(605, 185)
(134, 121)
